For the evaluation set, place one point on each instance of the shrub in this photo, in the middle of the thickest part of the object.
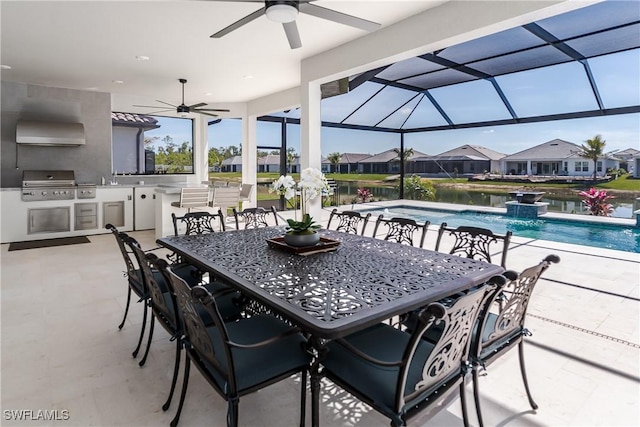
(417, 189)
(596, 202)
(364, 194)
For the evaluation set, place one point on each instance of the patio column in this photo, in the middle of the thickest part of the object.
(310, 135)
(249, 157)
(200, 149)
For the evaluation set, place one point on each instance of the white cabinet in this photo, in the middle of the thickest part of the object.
(144, 208)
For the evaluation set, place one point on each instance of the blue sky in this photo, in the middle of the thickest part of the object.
(620, 132)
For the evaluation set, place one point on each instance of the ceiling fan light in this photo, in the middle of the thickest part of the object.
(282, 13)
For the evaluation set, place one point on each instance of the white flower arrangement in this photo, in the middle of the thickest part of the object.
(311, 185)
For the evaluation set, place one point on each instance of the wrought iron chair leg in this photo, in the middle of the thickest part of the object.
(183, 393)
(232, 412)
(176, 368)
(476, 396)
(533, 404)
(144, 326)
(315, 397)
(303, 397)
(126, 309)
(463, 403)
(146, 352)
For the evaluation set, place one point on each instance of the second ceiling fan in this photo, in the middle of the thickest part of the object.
(183, 110)
(286, 12)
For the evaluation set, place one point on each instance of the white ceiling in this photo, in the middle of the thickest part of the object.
(88, 45)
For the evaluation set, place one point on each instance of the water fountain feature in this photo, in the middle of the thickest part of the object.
(526, 204)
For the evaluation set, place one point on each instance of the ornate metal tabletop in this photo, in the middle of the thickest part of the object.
(332, 294)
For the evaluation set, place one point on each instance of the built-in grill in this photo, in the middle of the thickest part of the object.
(48, 185)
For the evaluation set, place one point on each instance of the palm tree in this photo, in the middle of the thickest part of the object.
(334, 159)
(291, 156)
(406, 154)
(593, 150)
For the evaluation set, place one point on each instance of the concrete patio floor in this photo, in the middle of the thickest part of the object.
(62, 350)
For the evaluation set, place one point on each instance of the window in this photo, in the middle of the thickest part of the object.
(599, 166)
(146, 145)
(582, 166)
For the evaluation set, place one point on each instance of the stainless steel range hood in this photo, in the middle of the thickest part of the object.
(49, 133)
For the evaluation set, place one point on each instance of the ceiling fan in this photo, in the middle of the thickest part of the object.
(183, 110)
(286, 12)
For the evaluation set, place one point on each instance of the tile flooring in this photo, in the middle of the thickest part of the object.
(62, 350)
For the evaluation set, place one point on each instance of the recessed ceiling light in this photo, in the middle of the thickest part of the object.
(142, 58)
(247, 76)
(5, 67)
(208, 93)
(118, 82)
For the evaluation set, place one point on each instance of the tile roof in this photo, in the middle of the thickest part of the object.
(390, 156)
(475, 152)
(135, 120)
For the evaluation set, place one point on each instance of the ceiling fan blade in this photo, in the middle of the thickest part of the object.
(151, 113)
(335, 16)
(291, 30)
(149, 106)
(239, 23)
(166, 103)
(219, 110)
(200, 104)
(206, 114)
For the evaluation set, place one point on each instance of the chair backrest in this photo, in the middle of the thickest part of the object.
(255, 217)
(161, 303)
(225, 197)
(449, 356)
(401, 230)
(474, 242)
(245, 192)
(218, 184)
(198, 222)
(194, 197)
(349, 221)
(212, 348)
(504, 316)
(131, 268)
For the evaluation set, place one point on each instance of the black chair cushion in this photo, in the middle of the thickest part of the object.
(378, 383)
(490, 326)
(257, 365)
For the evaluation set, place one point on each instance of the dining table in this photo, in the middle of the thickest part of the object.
(345, 284)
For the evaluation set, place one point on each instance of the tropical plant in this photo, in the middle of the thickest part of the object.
(364, 194)
(417, 189)
(593, 149)
(334, 159)
(291, 157)
(306, 226)
(596, 202)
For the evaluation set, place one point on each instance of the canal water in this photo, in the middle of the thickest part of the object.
(564, 202)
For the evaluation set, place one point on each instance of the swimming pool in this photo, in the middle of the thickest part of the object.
(618, 237)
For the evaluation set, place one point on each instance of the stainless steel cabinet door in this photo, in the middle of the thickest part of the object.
(113, 213)
(49, 220)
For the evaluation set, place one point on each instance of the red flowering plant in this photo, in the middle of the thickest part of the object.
(364, 195)
(596, 202)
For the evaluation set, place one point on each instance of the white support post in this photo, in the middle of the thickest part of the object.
(249, 157)
(310, 135)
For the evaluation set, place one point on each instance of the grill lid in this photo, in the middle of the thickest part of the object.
(48, 178)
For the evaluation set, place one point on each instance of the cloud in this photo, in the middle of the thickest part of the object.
(488, 131)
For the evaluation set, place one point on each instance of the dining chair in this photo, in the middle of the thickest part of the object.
(136, 281)
(400, 374)
(349, 221)
(254, 217)
(164, 308)
(192, 198)
(197, 222)
(237, 358)
(502, 325)
(401, 230)
(474, 242)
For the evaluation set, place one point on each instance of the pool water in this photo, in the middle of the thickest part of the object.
(618, 237)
